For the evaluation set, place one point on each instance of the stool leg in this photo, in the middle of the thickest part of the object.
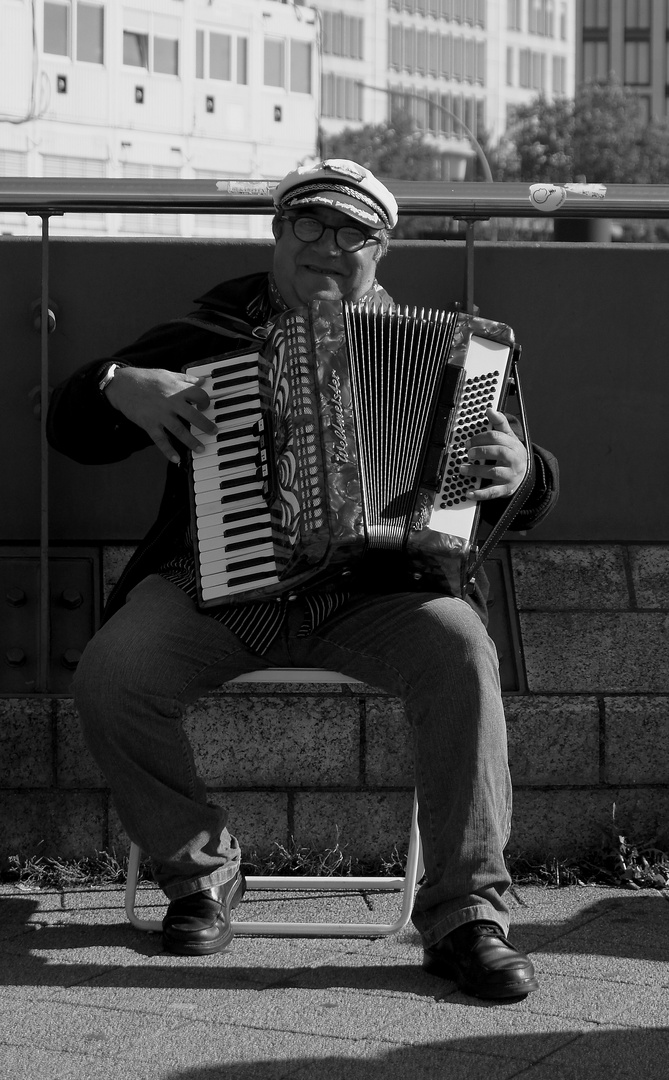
(407, 884)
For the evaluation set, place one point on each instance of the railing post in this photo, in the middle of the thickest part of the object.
(44, 599)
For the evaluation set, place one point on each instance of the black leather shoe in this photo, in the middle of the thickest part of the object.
(482, 962)
(199, 924)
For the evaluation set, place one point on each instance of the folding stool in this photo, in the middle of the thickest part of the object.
(406, 884)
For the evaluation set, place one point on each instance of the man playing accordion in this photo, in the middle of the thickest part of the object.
(158, 651)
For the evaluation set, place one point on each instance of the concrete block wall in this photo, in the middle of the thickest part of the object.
(588, 737)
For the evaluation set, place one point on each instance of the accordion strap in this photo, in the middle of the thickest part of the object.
(226, 325)
(520, 495)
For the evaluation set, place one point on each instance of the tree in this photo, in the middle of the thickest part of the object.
(601, 135)
(396, 149)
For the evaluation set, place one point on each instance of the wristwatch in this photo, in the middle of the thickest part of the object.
(107, 376)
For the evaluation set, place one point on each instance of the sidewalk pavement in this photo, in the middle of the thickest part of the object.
(84, 996)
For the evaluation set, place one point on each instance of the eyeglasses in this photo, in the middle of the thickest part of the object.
(347, 237)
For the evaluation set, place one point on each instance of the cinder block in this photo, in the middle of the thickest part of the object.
(257, 818)
(559, 578)
(580, 652)
(74, 764)
(553, 740)
(650, 574)
(637, 740)
(558, 824)
(26, 744)
(389, 753)
(276, 740)
(365, 824)
(68, 825)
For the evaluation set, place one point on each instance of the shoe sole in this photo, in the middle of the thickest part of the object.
(179, 947)
(513, 990)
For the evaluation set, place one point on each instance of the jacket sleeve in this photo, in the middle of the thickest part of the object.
(83, 425)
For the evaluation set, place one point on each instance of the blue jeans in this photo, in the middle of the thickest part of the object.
(159, 653)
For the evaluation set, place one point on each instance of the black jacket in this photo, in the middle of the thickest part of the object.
(84, 426)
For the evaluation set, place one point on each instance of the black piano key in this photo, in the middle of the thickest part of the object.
(250, 526)
(244, 515)
(246, 564)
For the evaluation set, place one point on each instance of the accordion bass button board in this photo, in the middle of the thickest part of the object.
(342, 435)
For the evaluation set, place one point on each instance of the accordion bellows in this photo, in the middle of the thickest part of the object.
(339, 441)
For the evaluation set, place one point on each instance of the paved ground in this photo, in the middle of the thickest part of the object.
(84, 996)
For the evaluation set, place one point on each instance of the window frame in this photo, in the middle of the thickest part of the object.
(72, 40)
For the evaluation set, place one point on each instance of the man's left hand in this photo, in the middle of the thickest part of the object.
(497, 456)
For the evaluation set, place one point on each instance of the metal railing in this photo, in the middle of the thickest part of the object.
(467, 202)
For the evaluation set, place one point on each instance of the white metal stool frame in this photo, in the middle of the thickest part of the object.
(406, 884)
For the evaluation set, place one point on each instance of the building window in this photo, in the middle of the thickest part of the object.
(446, 56)
(509, 66)
(514, 15)
(242, 61)
(637, 14)
(637, 63)
(90, 33)
(165, 56)
(151, 43)
(275, 63)
(343, 35)
(559, 75)
(67, 22)
(596, 60)
(395, 47)
(596, 14)
(341, 97)
(220, 57)
(215, 55)
(524, 68)
(135, 49)
(57, 29)
(300, 67)
(540, 17)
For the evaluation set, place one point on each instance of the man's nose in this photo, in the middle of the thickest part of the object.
(328, 241)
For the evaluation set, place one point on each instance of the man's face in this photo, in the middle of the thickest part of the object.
(319, 270)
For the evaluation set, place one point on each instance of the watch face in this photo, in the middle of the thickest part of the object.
(107, 378)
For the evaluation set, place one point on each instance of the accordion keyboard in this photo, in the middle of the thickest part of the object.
(234, 549)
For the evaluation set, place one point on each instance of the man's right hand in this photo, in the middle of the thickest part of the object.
(162, 402)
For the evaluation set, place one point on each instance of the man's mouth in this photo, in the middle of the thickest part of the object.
(324, 271)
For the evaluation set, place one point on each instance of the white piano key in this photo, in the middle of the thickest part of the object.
(213, 470)
(221, 480)
(214, 590)
(218, 538)
(226, 499)
(214, 562)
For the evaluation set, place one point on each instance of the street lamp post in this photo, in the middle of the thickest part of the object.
(478, 149)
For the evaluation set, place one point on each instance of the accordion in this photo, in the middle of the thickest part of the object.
(339, 441)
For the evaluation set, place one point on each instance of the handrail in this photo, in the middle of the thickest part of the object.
(471, 201)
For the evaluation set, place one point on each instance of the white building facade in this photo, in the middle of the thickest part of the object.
(156, 88)
(458, 66)
(239, 88)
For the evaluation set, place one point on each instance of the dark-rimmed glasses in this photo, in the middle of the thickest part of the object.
(346, 237)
